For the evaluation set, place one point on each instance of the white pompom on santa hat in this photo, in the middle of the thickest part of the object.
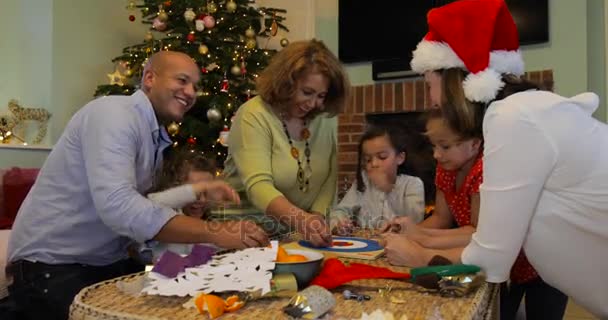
(478, 36)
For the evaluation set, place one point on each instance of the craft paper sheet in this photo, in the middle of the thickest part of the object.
(244, 270)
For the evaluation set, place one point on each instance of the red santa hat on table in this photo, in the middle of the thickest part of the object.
(478, 36)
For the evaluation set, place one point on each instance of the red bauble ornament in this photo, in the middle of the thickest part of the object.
(167, 3)
(243, 67)
(204, 70)
(191, 37)
(131, 18)
(225, 85)
(223, 138)
(191, 141)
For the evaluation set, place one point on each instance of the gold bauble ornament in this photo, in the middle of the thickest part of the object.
(211, 7)
(284, 42)
(231, 6)
(251, 43)
(189, 15)
(203, 49)
(250, 33)
(148, 37)
(163, 16)
(173, 129)
(131, 5)
(128, 72)
(5, 139)
(235, 70)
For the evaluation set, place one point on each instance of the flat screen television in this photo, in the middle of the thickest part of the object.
(387, 32)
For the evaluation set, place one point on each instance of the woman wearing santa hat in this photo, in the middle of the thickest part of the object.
(545, 171)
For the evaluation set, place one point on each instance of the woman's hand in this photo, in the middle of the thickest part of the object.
(401, 251)
(215, 191)
(314, 229)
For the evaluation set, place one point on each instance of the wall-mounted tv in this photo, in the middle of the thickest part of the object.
(387, 32)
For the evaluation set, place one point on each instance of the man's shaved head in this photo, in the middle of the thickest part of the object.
(170, 80)
(160, 60)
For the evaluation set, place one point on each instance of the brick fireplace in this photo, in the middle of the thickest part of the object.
(410, 95)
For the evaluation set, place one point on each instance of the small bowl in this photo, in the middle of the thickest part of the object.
(304, 271)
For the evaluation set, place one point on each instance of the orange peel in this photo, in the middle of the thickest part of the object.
(235, 306)
(232, 300)
(216, 306)
(212, 304)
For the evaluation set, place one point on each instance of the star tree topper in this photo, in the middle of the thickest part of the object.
(117, 78)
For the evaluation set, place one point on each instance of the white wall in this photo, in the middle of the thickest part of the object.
(596, 53)
(566, 53)
(82, 52)
(51, 59)
(300, 20)
(25, 46)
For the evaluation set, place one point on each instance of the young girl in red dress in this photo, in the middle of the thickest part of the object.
(458, 151)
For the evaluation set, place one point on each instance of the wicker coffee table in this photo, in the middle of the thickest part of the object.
(105, 301)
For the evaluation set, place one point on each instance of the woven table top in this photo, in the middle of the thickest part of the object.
(105, 301)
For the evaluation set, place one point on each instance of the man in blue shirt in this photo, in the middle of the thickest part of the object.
(89, 202)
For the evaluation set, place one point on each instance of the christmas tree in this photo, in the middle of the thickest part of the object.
(226, 38)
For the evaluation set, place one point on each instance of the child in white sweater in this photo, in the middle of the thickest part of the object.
(381, 193)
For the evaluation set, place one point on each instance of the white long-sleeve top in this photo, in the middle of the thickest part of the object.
(175, 198)
(374, 206)
(545, 186)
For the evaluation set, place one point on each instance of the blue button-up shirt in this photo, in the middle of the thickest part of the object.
(88, 201)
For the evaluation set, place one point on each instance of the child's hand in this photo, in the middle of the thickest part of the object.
(344, 227)
(380, 180)
(216, 191)
(400, 225)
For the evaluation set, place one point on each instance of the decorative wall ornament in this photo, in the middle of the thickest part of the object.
(9, 123)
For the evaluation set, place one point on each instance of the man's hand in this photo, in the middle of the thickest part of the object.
(240, 234)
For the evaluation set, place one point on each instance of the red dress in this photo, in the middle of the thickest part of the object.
(459, 203)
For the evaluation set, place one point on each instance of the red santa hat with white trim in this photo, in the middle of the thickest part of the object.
(478, 36)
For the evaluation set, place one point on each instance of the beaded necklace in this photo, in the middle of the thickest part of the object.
(304, 174)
